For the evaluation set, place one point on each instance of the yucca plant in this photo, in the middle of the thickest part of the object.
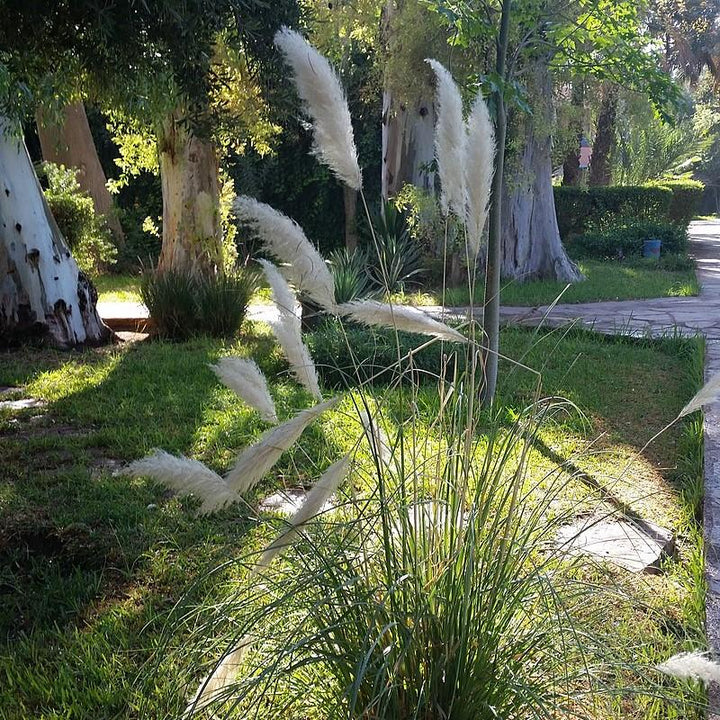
(350, 273)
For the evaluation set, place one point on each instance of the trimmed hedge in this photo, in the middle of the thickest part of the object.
(375, 355)
(686, 198)
(625, 237)
(579, 209)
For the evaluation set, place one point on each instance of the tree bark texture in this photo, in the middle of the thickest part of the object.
(571, 164)
(600, 172)
(70, 143)
(42, 291)
(192, 232)
(408, 150)
(531, 246)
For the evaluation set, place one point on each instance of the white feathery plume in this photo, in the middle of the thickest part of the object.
(257, 459)
(400, 317)
(185, 476)
(245, 378)
(479, 169)
(450, 138)
(314, 503)
(324, 101)
(377, 437)
(212, 687)
(693, 666)
(284, 239)
(288, 331)
(707, 394)
(283, 296)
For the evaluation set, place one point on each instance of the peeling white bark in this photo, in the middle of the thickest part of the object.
(42, 291)
(407, 145)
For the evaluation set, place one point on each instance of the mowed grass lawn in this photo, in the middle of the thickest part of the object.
(91, 564)
(605, 280)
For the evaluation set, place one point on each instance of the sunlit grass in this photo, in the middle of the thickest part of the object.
(93, 563)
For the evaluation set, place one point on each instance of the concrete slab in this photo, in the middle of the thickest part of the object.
(635, 546)
(24, 404)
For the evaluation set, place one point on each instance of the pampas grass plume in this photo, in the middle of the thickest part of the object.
(321, 492)
(707, 394)
(244, 377)
(212, 687)
(284, 239)
(287, 330)
(400, 317)
(184, 476)
(691, 666)
(257, 459)
(324, 101)
(450, 139)
(479, 168)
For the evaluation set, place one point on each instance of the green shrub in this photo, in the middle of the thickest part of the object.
(581, 208)
(222, 302)
(625, 237)
(374, 355)
(686, 198)
(85, 232)
(182, 305)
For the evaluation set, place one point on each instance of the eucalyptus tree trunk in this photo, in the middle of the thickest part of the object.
(531, 246)
(408, 146)
(192, 231)
(600, 171)
(571, 163)
(70, 143)
(42, 291)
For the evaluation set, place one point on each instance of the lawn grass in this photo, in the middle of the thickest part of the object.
(118, 288)
(605, 280)
(91, 564)
(628, 280)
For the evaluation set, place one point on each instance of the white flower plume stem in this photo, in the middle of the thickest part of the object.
(691, 666)
(245, 378)
(314, 503)
(184, 476)
(213, 686)
(324, 101)
(377, 438)
(479, 170)
(450, 139)
(707, 394)
(283, 296)
(287, 330)
(284, 239)
(400, 317)
(257, 459)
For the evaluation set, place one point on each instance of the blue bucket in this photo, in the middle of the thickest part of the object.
(651, 249)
